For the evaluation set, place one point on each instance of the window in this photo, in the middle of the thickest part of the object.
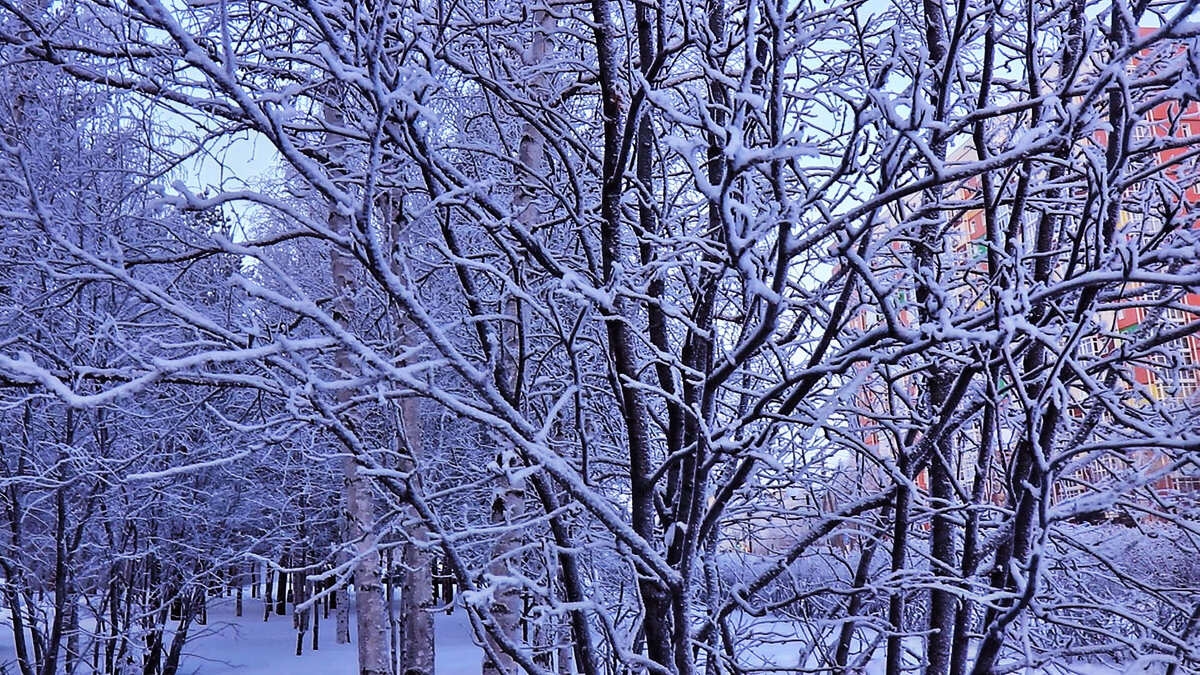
(1089, 346)
(1189, 485)
(1181, 361)
(1177, 317)
(1189, 379)
(1157, 389)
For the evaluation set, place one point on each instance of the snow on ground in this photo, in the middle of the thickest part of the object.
(250, 646)
(781, 646)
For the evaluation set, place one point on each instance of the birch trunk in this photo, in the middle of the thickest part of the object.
(415, 631)
(508, 505)
(341, 600)
(508, 497)
(416, 594)
(371, 612)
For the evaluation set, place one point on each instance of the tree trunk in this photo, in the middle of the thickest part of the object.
(268, 584)
(316, 618)
(114, 625)
(390, 599)
(299, 597)
(943, 602)
(175, 652)
(360, 502)
(72, 634)
(281, 588)
(508, 496)
(861, 576)
(415, 631)
(368, 582)
(508, 505)
(894, 660)
(342, 615)
(928, 262)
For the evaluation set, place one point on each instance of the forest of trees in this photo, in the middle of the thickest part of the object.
(679, 335)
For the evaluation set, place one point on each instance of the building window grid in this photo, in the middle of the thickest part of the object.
(1094, 476)
(1186, 484)
(1090, 346)
(1189, 379)
(1182, 363)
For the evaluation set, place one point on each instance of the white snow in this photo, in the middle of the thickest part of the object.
(250, 646)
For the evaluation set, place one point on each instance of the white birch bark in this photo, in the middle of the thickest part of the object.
(508, 497)
(370, 605)
(416, 596)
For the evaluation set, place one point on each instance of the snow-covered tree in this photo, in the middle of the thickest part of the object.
(670, 328)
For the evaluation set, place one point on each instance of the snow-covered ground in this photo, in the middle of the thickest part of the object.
(251, 646)
(247, 645)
